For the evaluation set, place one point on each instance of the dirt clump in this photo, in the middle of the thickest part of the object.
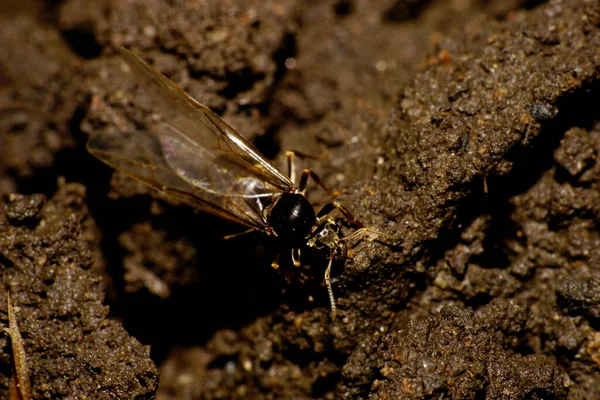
(72, 347)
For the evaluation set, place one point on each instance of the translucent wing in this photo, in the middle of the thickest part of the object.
(140, 156)
(193, 156)
(192, 124)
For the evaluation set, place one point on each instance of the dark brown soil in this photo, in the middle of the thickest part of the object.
(467, 131)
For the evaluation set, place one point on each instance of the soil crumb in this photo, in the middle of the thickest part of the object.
(73, 349)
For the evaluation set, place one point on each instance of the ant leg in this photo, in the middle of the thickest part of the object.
(275, 263)
(296, 260)
(362, 231)
(234, 235)
(304, 156)
(329, 207)
(287, 275)
(291, 168)
(329, 289)
(374, 235)
(309, 173)
(291, 154)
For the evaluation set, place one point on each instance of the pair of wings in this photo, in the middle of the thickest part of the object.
(192, 155)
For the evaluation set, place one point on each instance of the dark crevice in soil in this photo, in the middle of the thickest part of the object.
(325, 384)
(240, 82)
(221, 361)
(75, 164)
(478, 301)
(287, 50)
(45, 180)
(579, 109)
(404, 10)
(528, 166)
(268, 144)
(237, 284)
(343, 8)
(83, 42)
(531, 4)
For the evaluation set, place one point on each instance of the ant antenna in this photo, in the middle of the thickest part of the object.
(328, 284)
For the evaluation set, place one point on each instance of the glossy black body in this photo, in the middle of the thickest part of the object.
(292, 218)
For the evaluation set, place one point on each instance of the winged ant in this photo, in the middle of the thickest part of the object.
(196, 158)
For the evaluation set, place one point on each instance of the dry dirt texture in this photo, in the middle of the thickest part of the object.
(469, 131)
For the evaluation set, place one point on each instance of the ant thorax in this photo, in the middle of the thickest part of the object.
(327, 237)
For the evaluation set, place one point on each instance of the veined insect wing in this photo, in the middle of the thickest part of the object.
(193, 156)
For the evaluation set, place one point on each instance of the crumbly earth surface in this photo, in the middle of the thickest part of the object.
(466, 132)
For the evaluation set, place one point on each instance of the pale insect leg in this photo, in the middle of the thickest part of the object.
(296, 259)
(234, 235)
(329, 288)
(304, 180)
(291, 154)
(275, 263)
(363, 231)
(291, 167)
